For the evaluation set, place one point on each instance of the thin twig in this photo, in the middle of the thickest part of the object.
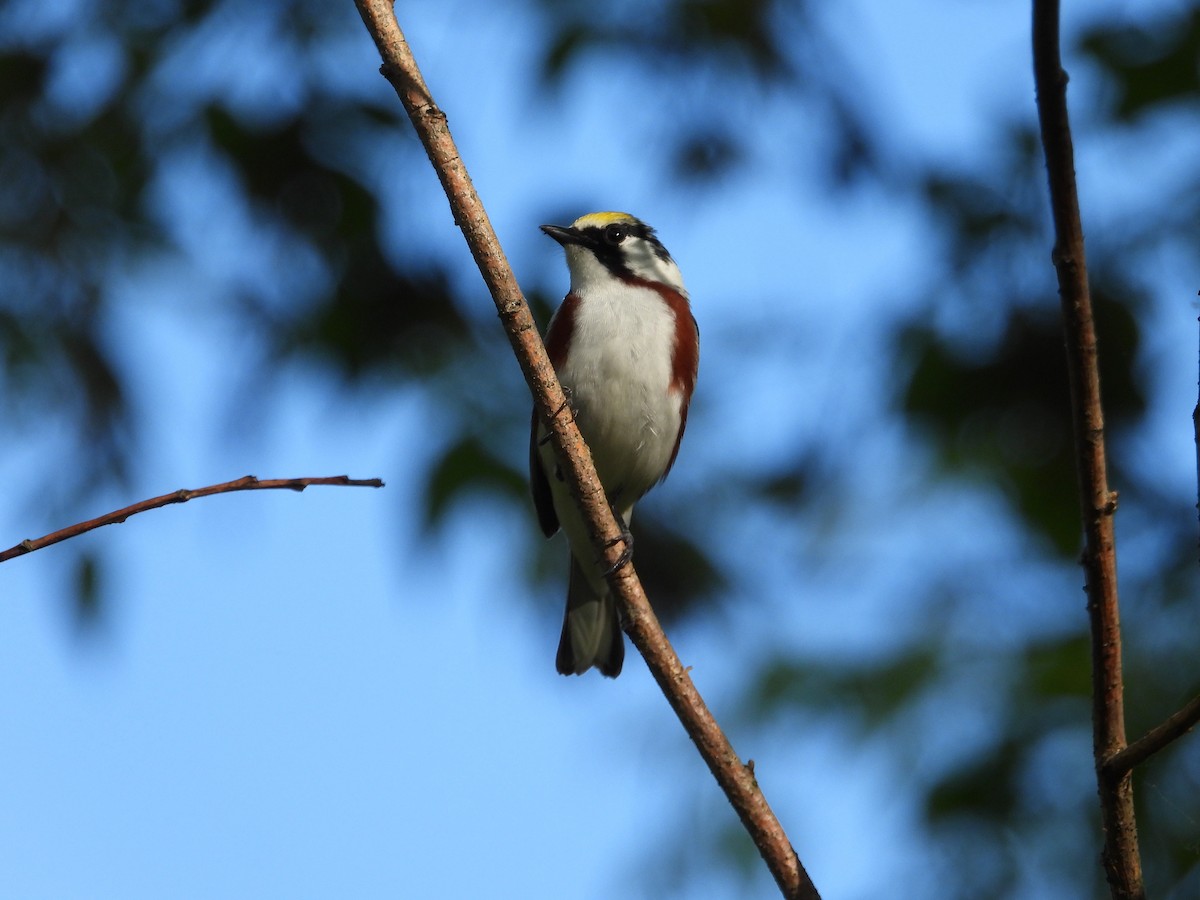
(1196, 430)
(1122, 862)
(735, 779)
(246, 483)
(1155, 739)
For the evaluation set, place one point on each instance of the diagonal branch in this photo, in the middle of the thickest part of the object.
(735, 778)
(246, 483)
(1121, 858)
(1175, 726)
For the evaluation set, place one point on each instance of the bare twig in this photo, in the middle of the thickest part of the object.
(735, 779)
(246, 483)
(1122, 862)
(1196, 430)
(1155, 739)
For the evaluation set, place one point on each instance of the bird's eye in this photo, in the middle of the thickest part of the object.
(614, 234)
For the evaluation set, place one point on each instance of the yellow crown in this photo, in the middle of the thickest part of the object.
(600, 219)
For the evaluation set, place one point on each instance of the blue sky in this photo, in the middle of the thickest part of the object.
(306, 696)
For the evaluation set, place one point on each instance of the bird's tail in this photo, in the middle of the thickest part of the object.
(591, 634)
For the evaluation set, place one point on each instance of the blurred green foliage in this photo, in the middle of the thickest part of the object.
(78, 203)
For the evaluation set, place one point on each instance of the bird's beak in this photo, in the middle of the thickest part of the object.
(565, 236)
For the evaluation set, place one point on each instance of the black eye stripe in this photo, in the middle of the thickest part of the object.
(612, 246)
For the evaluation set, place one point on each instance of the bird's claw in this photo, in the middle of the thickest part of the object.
(566, 404)
(625, 538)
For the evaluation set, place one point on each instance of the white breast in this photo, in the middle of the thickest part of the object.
(618, 372)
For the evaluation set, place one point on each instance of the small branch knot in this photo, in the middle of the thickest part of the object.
(513, 308)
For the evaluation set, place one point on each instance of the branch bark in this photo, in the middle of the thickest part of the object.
(735, 778)
(1155, 739)
(1122, 862)
(246, 483)
(1196, 431)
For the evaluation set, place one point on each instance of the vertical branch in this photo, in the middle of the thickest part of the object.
(1122, 862)
(1196, 430)
(735, 778)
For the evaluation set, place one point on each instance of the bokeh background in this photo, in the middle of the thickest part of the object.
(222, 252)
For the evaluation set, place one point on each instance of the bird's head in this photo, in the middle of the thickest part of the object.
(602, 246)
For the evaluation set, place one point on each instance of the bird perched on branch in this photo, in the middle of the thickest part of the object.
(626, 349)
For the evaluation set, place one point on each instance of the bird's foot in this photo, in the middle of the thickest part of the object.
(566, 404)
(625, 538)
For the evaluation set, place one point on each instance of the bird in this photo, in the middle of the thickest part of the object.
(626, 349)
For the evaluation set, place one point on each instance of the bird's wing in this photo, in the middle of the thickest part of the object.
(539, 486)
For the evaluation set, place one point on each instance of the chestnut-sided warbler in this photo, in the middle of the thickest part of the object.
(626, 349)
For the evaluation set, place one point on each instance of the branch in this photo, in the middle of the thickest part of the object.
(1183, 721)
(735, 778)
(1196, 430)
(247, 483)
(1155, 739)
(1121, 858)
